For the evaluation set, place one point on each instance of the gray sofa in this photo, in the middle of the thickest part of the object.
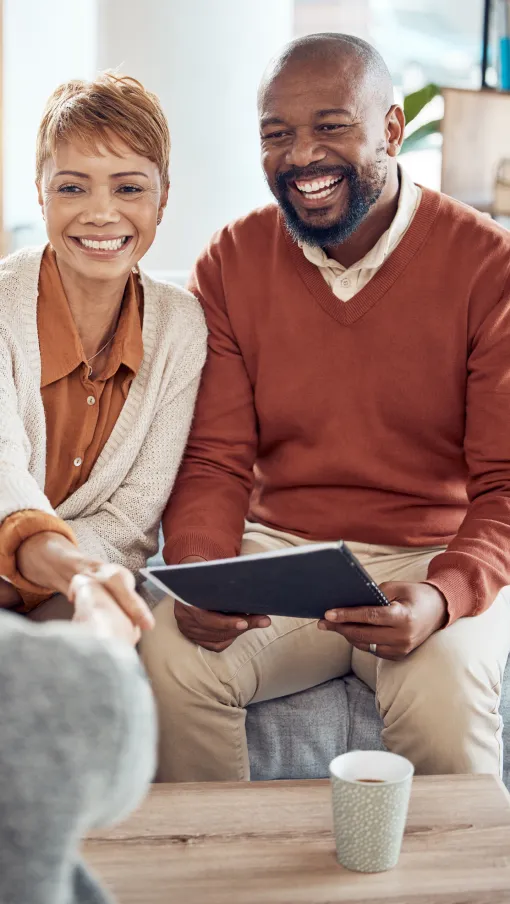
(297, 736)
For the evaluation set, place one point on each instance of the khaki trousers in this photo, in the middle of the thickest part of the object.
(439, 705)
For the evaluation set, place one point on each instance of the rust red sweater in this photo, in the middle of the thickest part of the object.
(385, 419)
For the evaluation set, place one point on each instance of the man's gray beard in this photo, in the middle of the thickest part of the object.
(363, 194)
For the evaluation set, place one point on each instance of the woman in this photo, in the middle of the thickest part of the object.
(99, 364)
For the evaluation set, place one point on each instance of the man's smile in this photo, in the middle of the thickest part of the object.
(313, 193)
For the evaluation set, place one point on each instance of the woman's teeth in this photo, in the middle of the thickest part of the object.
(111, 245)
(319, 188)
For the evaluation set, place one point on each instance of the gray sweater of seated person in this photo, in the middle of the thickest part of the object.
(77, 751)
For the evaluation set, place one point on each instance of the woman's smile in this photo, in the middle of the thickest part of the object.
(100, 246)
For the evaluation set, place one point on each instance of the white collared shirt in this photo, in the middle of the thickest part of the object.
(345, 282)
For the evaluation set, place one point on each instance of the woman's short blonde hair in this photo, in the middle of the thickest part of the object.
(95, 113)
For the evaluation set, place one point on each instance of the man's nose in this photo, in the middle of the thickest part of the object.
(306, 148)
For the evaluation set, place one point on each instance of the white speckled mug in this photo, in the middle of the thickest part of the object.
(371, 791)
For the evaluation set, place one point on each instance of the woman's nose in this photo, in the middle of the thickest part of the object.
(100, 209)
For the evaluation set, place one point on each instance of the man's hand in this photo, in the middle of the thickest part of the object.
(212, 630)
(416, 612)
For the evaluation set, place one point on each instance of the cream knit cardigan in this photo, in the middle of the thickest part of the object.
(115, 515)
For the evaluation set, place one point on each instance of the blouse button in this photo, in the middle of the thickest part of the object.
(91, 400)
(77, 462)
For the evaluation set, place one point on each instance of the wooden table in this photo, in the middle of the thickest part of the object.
(268, 843)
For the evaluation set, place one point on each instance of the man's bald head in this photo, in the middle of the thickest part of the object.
(366, 65)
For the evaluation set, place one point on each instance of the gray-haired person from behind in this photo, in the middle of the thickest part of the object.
(77, 742)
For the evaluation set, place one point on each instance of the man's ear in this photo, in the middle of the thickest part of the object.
(395, 125)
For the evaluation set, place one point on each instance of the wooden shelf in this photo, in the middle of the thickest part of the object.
(476, 137)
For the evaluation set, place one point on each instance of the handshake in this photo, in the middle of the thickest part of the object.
(102, 595)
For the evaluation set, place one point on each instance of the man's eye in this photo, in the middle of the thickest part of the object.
(274, 136)
(332, 127)
(129, 189)
(70, 189)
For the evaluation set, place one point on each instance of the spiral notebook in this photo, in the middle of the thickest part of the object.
(299, 582)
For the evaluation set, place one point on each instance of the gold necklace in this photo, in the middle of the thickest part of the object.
(99, 352)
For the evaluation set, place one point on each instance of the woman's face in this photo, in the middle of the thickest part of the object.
(101, 211)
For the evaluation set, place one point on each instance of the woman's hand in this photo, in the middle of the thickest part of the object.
(52, 561)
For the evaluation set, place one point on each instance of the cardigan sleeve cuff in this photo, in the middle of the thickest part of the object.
(17, 528)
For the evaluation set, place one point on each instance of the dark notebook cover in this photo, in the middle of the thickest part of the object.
(300, 582)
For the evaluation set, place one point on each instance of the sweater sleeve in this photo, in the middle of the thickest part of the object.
(206, 512)
(476, 564)
(18, 489)
(17, 528)
(24, 508)
(125, 528)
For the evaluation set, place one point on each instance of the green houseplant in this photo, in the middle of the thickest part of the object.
(413, 105)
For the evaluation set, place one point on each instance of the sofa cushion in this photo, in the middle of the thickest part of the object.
(297, 736)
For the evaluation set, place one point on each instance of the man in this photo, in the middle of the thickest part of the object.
(357, 387)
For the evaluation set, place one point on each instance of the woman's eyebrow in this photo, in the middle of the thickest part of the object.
(72, 173)
(113, 175)
(132, 173)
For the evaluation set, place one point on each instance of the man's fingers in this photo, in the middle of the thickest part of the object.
(361, 638)
(368, 615)
(397, 591)
(214, 630)
(362, 635)
(216, 623)
(208, 622)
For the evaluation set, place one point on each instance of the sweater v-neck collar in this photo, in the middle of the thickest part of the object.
(348, 312)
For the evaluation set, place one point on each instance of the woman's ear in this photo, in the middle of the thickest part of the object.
(163, 202)
(40, 198)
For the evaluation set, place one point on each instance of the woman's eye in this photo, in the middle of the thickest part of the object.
(70, 189)
(130, 189)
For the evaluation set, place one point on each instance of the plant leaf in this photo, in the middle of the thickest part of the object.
(415, 102)
(420, 136)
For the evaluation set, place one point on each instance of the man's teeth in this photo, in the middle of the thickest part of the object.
(319, 188)
(111, 245)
